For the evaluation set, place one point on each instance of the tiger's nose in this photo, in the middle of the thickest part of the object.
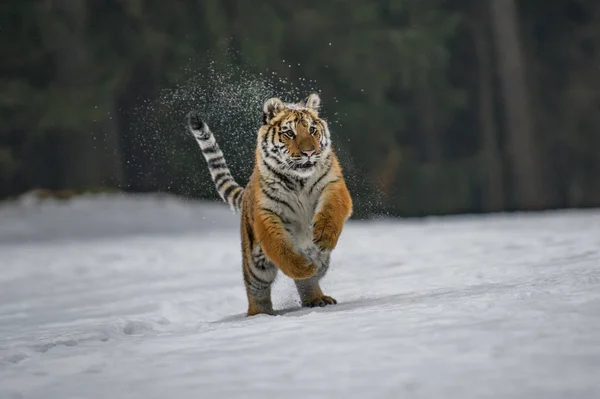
(308, 153)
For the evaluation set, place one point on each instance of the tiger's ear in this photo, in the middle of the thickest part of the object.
(271, 108)
(313, 101)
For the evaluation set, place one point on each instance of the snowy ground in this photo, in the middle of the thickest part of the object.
(143, 298)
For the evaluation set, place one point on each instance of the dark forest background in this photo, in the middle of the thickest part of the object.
(436, 106)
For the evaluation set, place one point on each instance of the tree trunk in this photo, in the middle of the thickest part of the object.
(432, 141)
(523, 153)
(493, 193)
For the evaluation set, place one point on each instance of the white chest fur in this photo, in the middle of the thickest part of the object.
(299, 222)
(297, 208)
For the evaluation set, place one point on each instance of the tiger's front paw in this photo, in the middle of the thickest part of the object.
(320, 301)
(325, 235)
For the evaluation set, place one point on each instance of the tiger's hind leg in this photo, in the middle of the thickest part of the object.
(310, 290)
(259, 274)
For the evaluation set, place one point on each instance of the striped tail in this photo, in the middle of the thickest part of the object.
(230, 191)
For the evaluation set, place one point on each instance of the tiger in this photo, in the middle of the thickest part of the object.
(294, 206)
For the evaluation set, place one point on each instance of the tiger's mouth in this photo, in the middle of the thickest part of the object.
(306, 165)
(303, 164)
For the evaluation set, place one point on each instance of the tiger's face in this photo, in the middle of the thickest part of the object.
(294, 138)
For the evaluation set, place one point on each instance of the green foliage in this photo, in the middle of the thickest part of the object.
(398, 79)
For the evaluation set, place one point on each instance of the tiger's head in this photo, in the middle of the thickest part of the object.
(293, 138)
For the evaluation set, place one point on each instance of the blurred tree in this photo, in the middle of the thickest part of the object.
(435, 107)
(92, 155)
(564, 52)
(493, 179)
(522, 148)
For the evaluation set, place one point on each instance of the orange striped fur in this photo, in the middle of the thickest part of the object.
(293, 208)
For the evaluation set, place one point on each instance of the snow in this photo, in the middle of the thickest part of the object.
(142, 297)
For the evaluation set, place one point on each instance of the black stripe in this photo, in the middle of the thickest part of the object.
(258, 279)
(264, 142)
(201, 136)
(258, 257)
(284, 179)
(298, 179)
(216, 162)
(275, 199)
(301, 182)
(272, 212)
(229, 190)
(249, 232)
(275, 159)
(223, 182)
(212, 149)
(262, 261)
(273, 187)
(221, 165)
(271, 135)
(265, 148)
(331, 182)
(257, 291)
(269, 154)
(246, 277)
(260, 265)
(319, 179)
(219, 175)
(272, 140)
(263, 264)
(236, 196)
(254, 286)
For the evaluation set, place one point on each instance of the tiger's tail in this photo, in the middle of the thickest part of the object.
(229, 190)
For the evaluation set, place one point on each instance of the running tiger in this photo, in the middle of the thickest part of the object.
(294, 206)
